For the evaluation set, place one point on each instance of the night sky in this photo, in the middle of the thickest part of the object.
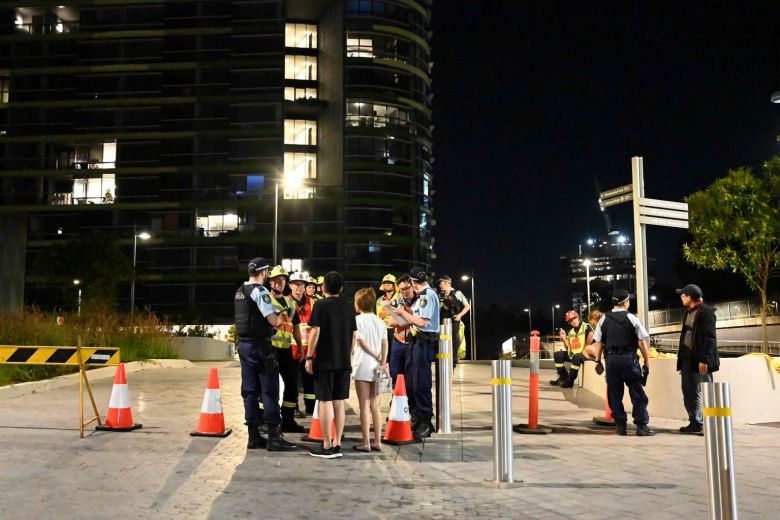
(536, 102)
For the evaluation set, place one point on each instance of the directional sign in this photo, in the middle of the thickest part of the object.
(656, 203)
(616, 200)
(666, 222)
(616, 191)
(666, 213)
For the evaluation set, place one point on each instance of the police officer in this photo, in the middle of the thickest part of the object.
(618, 333)
(579, 335)
(256, 318)
(424, 317)
(287, 330)
(303, 307)
(454, 306)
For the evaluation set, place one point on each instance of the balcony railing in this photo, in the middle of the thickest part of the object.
(739, 309)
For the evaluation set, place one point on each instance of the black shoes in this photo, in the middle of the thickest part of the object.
(620, 428)
(256, 439)
(562, 378)
(692, 428)
(292, 427)
(643, 431)
(569, 383)
(321, 453)
(277, 442)
(424, 430)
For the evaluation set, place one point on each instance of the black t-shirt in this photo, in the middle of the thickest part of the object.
(336, 319)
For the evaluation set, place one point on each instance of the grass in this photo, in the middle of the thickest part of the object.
(142, 337)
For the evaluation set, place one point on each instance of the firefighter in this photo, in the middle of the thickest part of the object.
(286, 331)
(303, 306)
(579, 335)
(388, 296)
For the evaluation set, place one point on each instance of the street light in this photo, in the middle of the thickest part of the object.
(529, 319)
(143, 236)
(77, 283)
(556, 306)
(587, 263)
(472, 319)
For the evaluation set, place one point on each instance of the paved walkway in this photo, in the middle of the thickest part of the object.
(585, 471)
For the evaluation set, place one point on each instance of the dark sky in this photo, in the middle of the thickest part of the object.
(536, 101)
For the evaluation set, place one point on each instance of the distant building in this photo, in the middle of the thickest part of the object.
(181, 118)
(612, 266)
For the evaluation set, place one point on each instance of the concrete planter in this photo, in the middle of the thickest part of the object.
(202, 349)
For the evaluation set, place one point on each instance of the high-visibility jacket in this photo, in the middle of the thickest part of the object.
(303, 309)
(283, 335)
(577, 338)
(380, 307)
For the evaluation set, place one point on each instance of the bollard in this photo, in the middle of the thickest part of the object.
(533, 392)
(444, 379)
(502, 421)
(716, 401)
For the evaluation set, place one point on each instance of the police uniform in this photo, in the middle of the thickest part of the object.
(452, 303)
(620, 331)
(259, 369)
(421, 353)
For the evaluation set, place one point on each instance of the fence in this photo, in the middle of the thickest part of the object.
(724, 346)
(732, 310)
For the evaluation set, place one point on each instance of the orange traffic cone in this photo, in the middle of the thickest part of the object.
(315, 430)
(399, 425)
(119, 417)
(212, 420)
(607, 420)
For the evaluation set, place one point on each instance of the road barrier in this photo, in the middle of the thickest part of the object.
(444, 379)
(716, 398)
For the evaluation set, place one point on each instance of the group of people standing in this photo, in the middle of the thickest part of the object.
(291, 326)
(619, 335)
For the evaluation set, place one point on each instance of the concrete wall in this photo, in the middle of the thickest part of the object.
(202, 349)
(13, 250)
(755, 390)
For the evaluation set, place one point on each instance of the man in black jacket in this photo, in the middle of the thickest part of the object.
(697, 357)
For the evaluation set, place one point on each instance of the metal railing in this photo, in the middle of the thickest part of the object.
(731, 310)
(725, 346)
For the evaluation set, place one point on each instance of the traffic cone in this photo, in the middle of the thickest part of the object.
(315, 430)
(119, 417)
(607, 420)
(399, 424)
(212, 420)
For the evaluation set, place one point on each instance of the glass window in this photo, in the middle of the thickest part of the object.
(360, 48)
(300, 131)
(299, 170)
(300, 35)
(95, 156)
(95, 190)
(5, 88)
(295, 93)
(215, 225)
(300, 67)
(255, 183)
(292, 264)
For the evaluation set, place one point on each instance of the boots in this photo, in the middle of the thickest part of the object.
(643, 431)
(256, 439)
(569, 383)
(277, 442)
(563, 376)
(288, 422)
(620, 427)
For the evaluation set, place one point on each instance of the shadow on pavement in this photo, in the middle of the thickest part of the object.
(196, 452)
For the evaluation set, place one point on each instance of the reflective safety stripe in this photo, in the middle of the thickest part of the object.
(309, 396)
(288, 404)
(443, 356)
(502, 380)
(262, 407)
(716, 412)
(120, 397)
(575, 367)
(445, 336)
(399, 409)
(558, 365)
(212, 401)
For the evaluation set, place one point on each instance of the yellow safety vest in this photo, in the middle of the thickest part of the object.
(577, 338)
(380, 308)
(283, 335)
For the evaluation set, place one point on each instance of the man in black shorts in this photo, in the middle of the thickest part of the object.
(332, 331)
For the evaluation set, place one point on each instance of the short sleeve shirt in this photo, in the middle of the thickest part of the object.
(335, 318)
(462, 299)
(427, 306)
(262, 297)
(641, 333)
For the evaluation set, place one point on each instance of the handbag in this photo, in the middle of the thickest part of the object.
(382, 381)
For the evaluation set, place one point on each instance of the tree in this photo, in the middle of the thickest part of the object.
(735, 225)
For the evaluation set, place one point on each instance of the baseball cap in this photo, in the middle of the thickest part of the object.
(694, 291)
(258, 264)
(445, 278)
(418, 274)
(621, 295)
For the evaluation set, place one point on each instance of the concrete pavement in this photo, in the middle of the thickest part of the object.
(584, 471)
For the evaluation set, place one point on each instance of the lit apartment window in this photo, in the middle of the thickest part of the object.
(5, 88)
(300, 67)
(300, 35)
(295, 93)
(299, 131)
(94, 190)
(95, 156)
(292, 264)
(299, 170)
(215, 225)
(360, 48)
(368, 114)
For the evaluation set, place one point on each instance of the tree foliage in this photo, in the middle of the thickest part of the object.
(735, 225)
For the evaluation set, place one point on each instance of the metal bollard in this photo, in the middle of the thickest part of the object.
(444, 379)
(502, 421)
(716, 401)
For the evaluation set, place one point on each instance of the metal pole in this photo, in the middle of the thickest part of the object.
(533, 382)
(79, 302)
(587, 283)
(502, 420)
(716, 400)
(473, 320)
(444, 378)
(640, 240)
(276, 223)
(132, 283)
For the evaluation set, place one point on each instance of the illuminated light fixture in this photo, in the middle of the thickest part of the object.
(591, 241)
(775, 97)
(621, 239)
(144, 236)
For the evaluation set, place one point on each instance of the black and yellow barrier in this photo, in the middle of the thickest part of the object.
(24, 355)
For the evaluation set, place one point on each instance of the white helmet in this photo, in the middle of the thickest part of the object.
(299, 276)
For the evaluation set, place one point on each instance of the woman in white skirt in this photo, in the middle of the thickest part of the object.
(369, 352)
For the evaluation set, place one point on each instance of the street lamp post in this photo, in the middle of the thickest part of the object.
(136, 236)
(276, 222)
(587, 263)
(556, 306)
(77, 284)
(530, 327)
(472, 319)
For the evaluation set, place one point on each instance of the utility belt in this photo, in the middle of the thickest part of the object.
(621, 350)
(426, 337)
(266, 355)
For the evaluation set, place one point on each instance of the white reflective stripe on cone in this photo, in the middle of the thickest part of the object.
(316, 411)
(212, 401)
(399, 410)
(120, 397)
